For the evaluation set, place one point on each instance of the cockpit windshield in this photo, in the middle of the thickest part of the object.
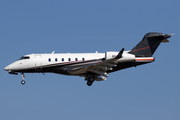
(24, 57)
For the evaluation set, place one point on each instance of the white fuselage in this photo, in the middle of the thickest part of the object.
(53, 62)
(37, 61)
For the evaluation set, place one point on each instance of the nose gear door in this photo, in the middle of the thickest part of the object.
(38, 62)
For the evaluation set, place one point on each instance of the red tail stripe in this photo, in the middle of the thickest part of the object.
(141, 48)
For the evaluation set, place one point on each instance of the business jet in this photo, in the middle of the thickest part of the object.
(93, 66)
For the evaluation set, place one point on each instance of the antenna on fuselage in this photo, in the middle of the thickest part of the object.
(53, 52)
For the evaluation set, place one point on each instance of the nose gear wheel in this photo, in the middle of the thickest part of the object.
(23, 82)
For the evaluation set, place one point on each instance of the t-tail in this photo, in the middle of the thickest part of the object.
(149, 44)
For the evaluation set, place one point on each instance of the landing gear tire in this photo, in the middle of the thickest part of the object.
(91, 79)
(23, 82)
(89, 83)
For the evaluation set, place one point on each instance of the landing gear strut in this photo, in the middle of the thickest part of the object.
(23, 81)
(90, 80)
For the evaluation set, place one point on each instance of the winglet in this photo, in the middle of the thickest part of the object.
(120, 54)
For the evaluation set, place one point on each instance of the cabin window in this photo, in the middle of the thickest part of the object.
(56, 59)
(62, 59)
(69, 59)
(49, 59)
(83, 59)
(76, 59)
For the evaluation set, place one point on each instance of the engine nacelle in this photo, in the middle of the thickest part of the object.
(110, 55)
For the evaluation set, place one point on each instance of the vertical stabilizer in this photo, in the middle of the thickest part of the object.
(149, 44)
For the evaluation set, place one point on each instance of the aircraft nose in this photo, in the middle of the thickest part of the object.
(12, 67)
(6, 68)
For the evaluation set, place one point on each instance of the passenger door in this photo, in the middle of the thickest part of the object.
(38, 62)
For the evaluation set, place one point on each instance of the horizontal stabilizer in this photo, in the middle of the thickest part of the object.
(165, 41)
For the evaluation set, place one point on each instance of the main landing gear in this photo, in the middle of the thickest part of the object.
(23, 80)
(90, 80)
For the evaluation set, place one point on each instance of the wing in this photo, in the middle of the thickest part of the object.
(98, 68)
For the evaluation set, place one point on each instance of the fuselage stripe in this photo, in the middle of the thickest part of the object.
(144, 59)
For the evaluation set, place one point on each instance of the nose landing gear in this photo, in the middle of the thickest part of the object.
(23, 80)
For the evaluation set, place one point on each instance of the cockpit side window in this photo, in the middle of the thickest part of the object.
(24, 57)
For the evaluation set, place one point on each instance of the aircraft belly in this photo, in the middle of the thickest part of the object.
(121, 66)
